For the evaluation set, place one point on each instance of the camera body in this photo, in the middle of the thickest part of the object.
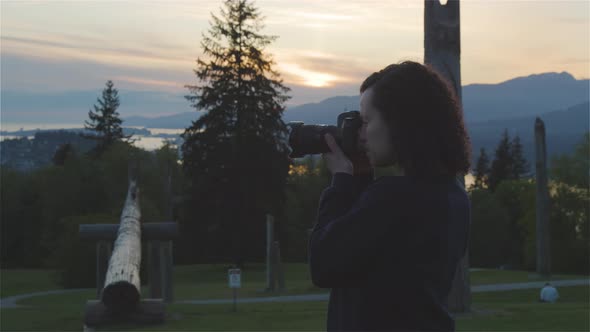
(309, 139)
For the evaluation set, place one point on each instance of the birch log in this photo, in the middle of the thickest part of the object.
(122, 285)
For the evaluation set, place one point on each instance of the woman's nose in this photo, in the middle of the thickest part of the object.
(362, 136)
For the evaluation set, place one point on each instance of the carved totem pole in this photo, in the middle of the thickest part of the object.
(442, 51)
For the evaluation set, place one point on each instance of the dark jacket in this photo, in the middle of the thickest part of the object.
(389, 251)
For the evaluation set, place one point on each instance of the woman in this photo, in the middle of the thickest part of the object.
(388, 248)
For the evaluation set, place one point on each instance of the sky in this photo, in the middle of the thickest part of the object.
(324, 48)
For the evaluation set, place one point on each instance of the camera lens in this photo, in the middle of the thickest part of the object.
(309, 139)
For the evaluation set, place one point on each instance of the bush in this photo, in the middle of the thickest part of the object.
(490, 225)
(74, 258)
(568, 239)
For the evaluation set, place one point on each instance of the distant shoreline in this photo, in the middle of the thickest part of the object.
(32, 129)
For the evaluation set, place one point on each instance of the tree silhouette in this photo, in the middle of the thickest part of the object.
(105, 122)
(234, 154)
(482, 170)
(520, 166)
(502, 168)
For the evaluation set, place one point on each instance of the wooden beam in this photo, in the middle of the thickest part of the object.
(122, 285)
(542, 230)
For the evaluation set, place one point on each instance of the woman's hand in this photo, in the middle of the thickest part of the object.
(336, 161)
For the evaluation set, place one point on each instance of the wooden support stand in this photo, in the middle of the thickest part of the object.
(117, 279)
(159, 238)
(150, 311)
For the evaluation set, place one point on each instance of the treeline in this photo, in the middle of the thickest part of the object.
(503, 197)
(41, 209)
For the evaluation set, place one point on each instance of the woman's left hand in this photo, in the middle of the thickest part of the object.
(336, 161)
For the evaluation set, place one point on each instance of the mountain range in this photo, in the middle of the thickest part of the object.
(523, 96)
(559, 99)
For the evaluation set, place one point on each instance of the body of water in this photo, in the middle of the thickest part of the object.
(144, 142)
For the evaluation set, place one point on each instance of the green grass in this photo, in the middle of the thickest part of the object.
(501, 311)
(209, 281)
(495, 311)
(520, 311)
(23, 281)
(486, 277)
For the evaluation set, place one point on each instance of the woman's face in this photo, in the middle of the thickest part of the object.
(375, 135)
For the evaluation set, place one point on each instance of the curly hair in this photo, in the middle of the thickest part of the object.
(425, 118)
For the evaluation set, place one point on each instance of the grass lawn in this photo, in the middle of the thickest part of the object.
(209, 281)
(22, 281)
(501, 311)
(497, 311)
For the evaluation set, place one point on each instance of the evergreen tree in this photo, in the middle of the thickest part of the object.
(520, 166)
(482, 170)
(502, 166)
(234, 154)
(104, 120)
(62, 153)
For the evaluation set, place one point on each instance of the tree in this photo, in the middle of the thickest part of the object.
(482, 170)
(234, 154)
(573, 169)
(502, 166)
(520, 166)
(62, 153)
(105, 121)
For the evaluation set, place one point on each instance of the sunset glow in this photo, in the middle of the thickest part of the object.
(324, 48)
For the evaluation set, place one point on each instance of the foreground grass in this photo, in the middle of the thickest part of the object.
(23, 281)
(498, 311)
(209, 281)
(495, 311)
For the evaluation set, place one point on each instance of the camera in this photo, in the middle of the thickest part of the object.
(309, 139)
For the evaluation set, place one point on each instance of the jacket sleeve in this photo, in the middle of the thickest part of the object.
(350, 230)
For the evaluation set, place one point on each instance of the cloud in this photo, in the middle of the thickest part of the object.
(319, 69)
(112, 55)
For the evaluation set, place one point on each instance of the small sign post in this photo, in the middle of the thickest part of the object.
(235, 282)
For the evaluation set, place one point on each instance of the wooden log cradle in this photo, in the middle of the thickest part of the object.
(158, 235)
(122, 284)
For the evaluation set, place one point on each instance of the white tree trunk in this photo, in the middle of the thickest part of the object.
(122, 285)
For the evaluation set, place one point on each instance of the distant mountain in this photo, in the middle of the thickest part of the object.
(531, 95)
(73, 106)
(324, 112)
(175, 121)
(488, 109)
(564, 129)
(534, 94)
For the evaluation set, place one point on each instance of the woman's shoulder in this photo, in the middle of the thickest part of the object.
(406, 185)
(391, 185)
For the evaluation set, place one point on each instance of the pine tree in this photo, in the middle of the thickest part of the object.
(482, 170)
(502, 166)
(234, 153)
(104, 120)
(520, 166)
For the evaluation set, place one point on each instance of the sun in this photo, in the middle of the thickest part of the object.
(308, 77)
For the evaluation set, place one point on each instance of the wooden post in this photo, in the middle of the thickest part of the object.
(309, 231)
(168, 190)
(278, 266)
(270, 273)
(122, 286)
(442, 51)
(542, 229)
(154, 269)
(103, 252)
(167, 271)
(442, 40)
